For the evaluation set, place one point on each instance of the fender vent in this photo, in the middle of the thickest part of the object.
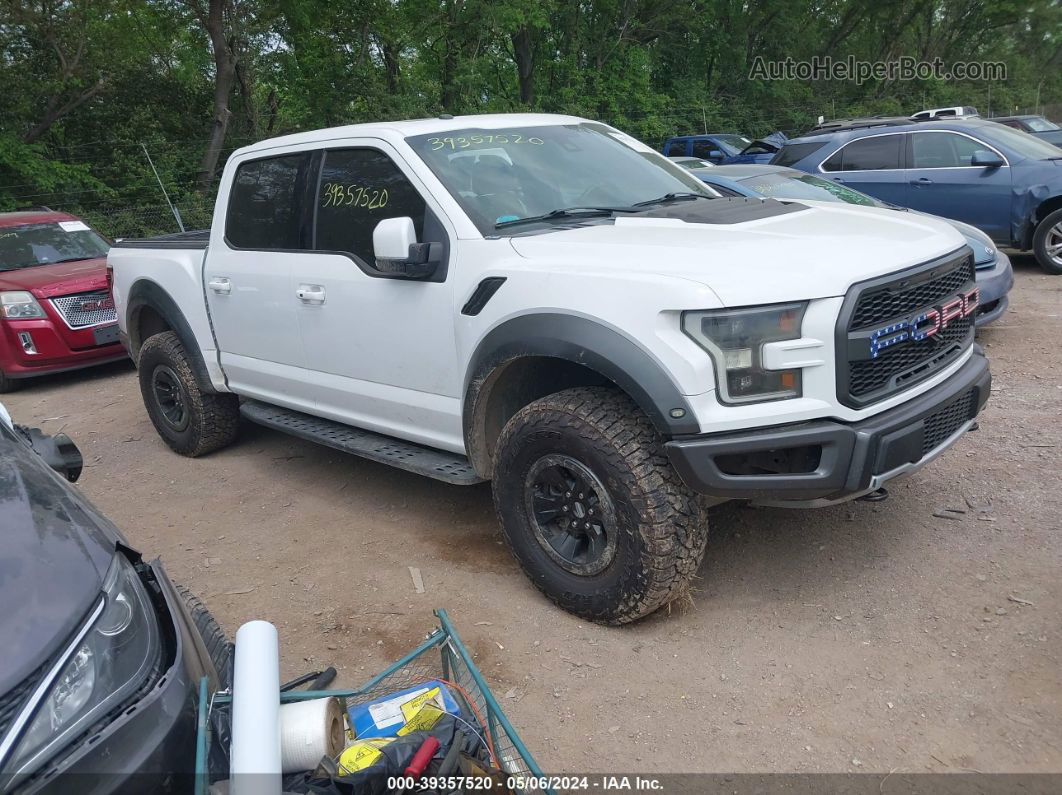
(484, 291)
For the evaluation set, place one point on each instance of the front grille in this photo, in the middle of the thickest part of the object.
(942, 424)
(874, 373)
(894, 300)
(86, 309)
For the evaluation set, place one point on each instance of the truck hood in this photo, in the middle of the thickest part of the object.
(60, 278)
(816, 252)
(54, 554)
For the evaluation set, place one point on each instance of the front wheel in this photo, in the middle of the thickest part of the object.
(1047, 243)
(592, 509)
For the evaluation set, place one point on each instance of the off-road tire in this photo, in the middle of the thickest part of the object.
(660, 525)
(212, 420)
(9, 384)
(217, 644)
(1049, 223)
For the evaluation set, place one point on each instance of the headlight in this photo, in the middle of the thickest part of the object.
(110, 659)
(19, 304)
(734, 339)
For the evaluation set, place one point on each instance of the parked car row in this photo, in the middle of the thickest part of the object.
(995, 276)
(1003, 181)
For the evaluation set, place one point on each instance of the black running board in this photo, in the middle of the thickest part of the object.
(437, 464)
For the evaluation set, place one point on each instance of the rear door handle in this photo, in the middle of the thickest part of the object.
(220, 285)
(311, 293)
(921, 182)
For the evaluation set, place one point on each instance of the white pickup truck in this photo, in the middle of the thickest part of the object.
(544, 302)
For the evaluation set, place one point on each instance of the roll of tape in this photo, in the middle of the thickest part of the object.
(308, 731)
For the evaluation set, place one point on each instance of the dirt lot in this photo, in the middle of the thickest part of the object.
(865, 637)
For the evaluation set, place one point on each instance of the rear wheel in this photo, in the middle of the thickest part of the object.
(8, 384)
(592, 509)
(191, 421)
(217, 645)
(1047, 243)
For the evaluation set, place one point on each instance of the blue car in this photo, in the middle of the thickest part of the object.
(718, 148)
(995, 276)
(1004, 182)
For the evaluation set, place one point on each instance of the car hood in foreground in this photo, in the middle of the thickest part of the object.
(59, 278)
(54, 553)
(817, 252)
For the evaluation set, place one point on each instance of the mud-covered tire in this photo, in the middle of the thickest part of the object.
(217, 644)
(1049, 233)
(597, 437)
(9, 384)
(191, 421)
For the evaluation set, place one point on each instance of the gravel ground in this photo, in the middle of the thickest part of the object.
(864, 637)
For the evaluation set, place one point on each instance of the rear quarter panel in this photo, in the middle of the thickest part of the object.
(178, 274)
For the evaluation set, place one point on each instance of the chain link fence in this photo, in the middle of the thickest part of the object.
(145, 220)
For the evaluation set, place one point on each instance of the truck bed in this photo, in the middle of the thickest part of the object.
(196, 238)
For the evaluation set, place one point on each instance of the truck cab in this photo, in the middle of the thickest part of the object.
(547, 303)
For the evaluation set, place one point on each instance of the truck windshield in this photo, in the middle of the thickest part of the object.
(504, 175)
(807, 186)
(29, 245)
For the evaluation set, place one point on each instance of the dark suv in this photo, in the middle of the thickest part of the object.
(102, 655)
(1006, 183)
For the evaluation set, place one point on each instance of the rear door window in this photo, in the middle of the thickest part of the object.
(267, 202)
(877, 153)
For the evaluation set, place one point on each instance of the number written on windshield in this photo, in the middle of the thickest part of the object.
(334, 194)
(464, 142)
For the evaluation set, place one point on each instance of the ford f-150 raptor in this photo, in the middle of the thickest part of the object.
(545, 302)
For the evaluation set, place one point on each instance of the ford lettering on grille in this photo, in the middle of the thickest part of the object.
(925, 324)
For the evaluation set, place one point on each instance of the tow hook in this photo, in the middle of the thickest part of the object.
(880, 495)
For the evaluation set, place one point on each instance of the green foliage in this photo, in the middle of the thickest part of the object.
(89, 83)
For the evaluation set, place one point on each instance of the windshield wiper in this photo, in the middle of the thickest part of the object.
(68, 259)
(566, 212)
(667, 198)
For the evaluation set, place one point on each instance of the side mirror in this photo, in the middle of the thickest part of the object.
(715, 155)
(397, 252)
(986, 159)
(59, 451)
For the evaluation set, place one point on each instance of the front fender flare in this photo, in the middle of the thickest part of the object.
(604, 350)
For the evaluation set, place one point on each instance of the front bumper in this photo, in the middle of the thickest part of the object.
(54, 347)
(825, 461)
(993, 284)
(150, 745)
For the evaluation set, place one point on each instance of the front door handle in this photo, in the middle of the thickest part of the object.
(838, 179)
(220, 285)
(921, 182)
(311, 293)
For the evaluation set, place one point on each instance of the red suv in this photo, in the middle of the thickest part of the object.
(56, 310)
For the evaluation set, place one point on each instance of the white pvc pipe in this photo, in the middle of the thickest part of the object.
(254, 756)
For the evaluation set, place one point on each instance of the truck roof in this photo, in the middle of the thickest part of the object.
(402, 129)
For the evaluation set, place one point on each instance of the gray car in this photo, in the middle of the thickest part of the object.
(102, 655)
